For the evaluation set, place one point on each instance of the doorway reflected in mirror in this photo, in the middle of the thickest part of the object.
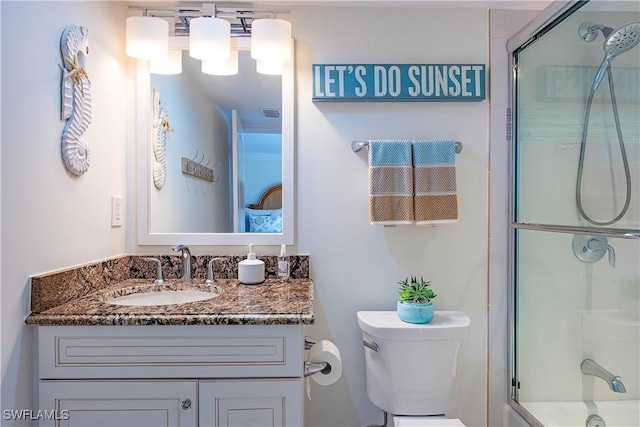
(225, 123)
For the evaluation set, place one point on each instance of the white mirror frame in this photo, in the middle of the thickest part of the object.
(144, 131)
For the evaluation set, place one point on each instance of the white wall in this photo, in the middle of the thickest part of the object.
(355, 266)
(262, 163)
(199, 127)
(49, 219)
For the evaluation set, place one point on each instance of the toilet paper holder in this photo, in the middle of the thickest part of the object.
(310, 367)
(309, 342)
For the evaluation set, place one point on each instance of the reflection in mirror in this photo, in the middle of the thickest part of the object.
(207, 115)
(225, 124)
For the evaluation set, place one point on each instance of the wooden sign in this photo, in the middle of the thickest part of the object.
(194, 168)
(398, 82)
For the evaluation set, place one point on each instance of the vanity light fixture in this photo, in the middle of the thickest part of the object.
(227, 67)
(172, 64)
(147, 37)
(208, 30)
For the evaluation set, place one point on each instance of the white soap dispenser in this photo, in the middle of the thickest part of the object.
(251, 270)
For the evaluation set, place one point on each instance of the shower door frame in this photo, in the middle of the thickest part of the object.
(525, 37)
(544, 22)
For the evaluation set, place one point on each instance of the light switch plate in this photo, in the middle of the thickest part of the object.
(117, 211)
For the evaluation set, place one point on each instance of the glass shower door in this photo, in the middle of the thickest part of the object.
(576, 265)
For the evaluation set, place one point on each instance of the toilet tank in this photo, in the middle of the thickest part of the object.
(414, 370)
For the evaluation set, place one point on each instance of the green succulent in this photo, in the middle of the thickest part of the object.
(415, 291)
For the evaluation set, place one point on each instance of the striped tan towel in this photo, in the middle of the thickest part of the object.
(435, 197)
(390, 182)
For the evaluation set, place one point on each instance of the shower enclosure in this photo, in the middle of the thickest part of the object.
(575, 216)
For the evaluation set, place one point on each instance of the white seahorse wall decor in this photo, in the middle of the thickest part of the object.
(76, 98)
(161, 131)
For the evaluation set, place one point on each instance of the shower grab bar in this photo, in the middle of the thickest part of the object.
(359, 145)
(594, 231)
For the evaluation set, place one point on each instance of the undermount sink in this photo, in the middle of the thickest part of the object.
(162, 298)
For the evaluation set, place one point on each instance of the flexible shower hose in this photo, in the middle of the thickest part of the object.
(623, 152)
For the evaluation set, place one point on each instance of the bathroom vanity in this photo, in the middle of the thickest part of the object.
(172, 375)
(233, 360)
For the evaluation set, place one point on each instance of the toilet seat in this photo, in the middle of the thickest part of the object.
(426, 422)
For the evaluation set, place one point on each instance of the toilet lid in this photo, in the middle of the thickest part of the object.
(426, 422)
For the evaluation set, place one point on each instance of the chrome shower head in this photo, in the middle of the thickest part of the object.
(622, 39)
(616, 43)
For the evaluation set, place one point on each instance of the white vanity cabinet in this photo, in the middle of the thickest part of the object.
(126, 376)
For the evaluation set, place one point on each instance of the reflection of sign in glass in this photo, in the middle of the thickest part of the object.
(573, 83)
(398, 82)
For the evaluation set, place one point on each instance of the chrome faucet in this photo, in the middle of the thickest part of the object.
(186, 261)
(210, 278)
(590, 367)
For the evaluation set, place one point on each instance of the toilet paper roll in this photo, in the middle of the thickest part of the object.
(326, 351)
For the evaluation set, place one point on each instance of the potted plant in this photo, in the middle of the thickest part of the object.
(414, 300)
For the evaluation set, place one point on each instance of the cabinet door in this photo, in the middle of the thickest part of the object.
(119, 403)
(250, 403)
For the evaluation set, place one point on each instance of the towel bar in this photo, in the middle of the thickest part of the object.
(359, 145)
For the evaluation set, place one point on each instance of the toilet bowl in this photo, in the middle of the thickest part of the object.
(417, 394)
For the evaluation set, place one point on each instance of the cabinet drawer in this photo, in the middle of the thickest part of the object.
(233, 351)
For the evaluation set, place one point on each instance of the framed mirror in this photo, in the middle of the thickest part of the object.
(228, 165)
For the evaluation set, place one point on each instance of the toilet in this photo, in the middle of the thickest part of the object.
(417, 394)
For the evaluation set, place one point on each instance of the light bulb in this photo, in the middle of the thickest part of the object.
(172, 64)
(271, 40)
(269, 67)
(226, 67)
(210, 39)
(147, 37)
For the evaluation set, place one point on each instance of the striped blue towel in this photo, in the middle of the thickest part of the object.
(435, 194)
(390, 182)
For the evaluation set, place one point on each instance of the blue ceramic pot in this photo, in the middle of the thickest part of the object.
(415, 313)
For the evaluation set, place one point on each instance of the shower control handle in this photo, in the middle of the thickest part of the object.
(591, 248)
(597, 245)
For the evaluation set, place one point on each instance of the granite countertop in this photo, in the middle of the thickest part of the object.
(273, 302)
